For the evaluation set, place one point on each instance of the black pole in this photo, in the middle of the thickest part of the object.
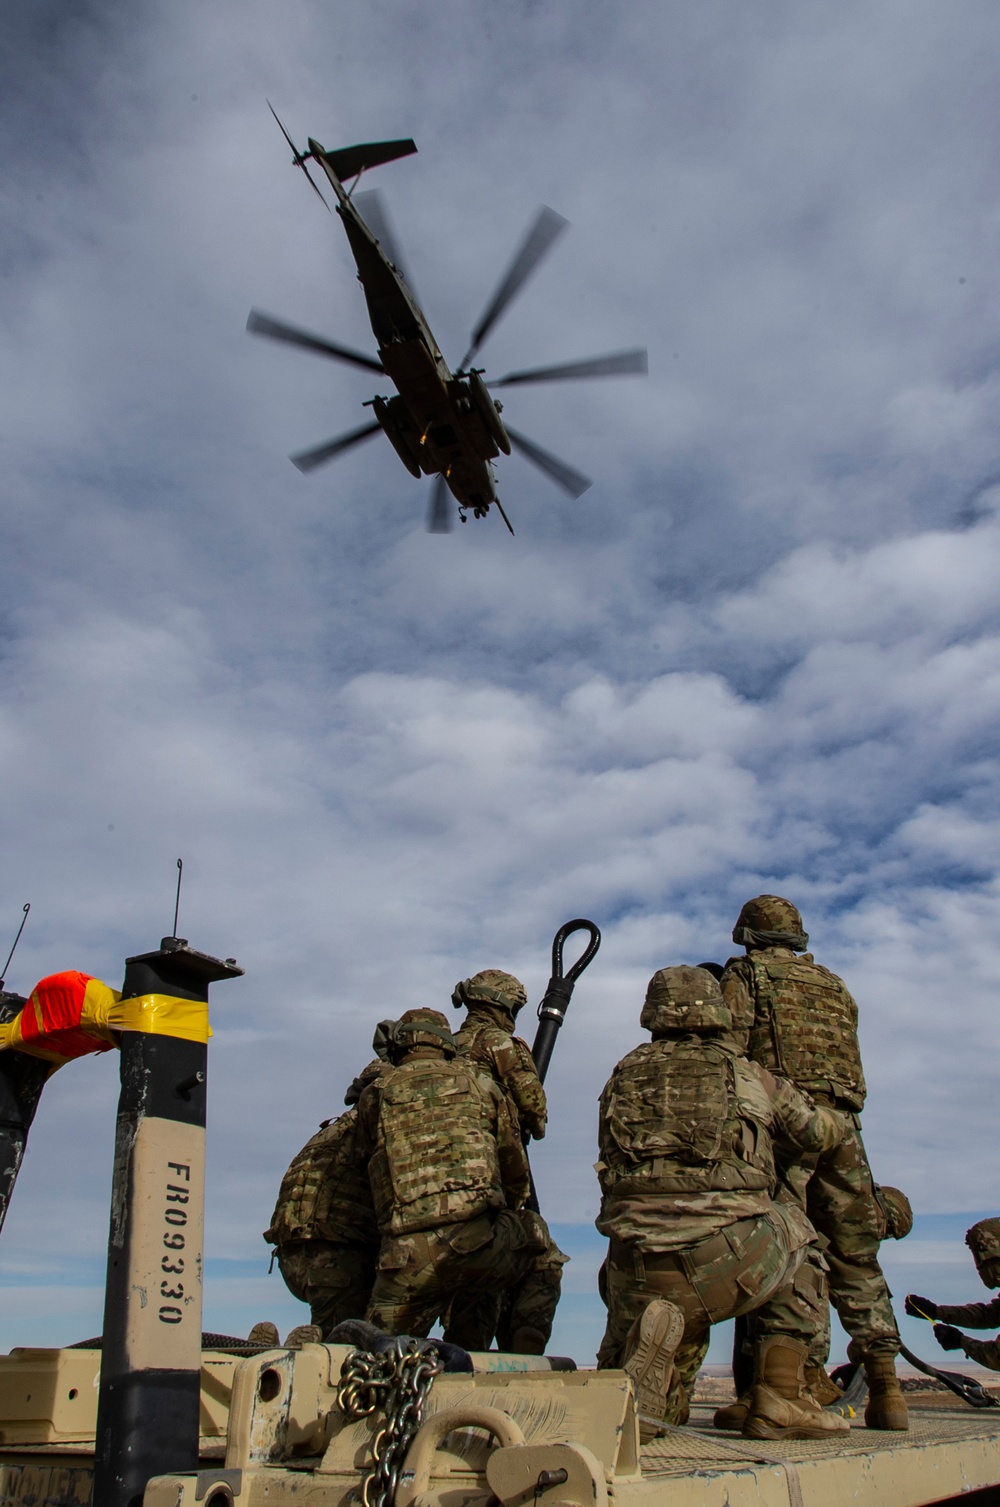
(148, 1407)
(552, 1010)
(22, 1079)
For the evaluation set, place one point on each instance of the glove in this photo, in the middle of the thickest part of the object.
(920, 1308)
(948, 1337)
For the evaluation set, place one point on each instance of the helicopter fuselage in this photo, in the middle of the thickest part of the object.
(438, 422)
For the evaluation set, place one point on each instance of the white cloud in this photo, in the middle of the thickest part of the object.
(760, 653)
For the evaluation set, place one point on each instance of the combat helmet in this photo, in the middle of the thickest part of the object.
(491, 986)
(897, 1214)
(770, 921)
(983, 1241)
(684, 999)
(414, 1028)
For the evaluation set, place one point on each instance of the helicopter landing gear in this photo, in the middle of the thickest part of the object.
(479, 510)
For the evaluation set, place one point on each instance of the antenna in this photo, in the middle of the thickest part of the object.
(27, 907)
(177, 902)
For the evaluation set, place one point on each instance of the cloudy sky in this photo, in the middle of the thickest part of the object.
(761, 653)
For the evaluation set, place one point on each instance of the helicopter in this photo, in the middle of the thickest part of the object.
(441, 423)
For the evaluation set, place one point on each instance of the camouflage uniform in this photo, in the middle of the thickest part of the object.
(687, 1175)
(448, 1173)
(983, 1239)
(803, 1023)
(894, 1218)
(323, 1223)
(492, 999)
(522, 1318)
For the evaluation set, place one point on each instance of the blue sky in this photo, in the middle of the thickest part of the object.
(761, 653)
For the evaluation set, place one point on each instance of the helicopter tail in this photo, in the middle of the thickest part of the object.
(349, 161)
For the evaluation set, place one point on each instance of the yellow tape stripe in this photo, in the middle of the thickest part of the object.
(162, 1015)
(104, 1011)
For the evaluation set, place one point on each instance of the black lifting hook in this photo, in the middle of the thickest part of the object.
(552, 1010)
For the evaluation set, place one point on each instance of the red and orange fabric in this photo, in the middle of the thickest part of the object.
(72, 1014)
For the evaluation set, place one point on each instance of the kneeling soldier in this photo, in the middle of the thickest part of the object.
(983, 1239)
(448, 1174)
(687, 1175)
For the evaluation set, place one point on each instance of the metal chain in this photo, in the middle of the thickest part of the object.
(397, 1383)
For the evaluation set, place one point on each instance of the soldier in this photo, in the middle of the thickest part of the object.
(687, 1176)
(323, 1226)
(983, 1239)
(895, 1212)
(448, 1174)
(492, 1000)
(804, 1024)
(894, 1217)
(521, 1319)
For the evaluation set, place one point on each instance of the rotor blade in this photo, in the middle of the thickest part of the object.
(298, 158)
(634, 363)
(573, 482)
(276, 329)
(439, 513)
(371, 206)
(544, 230)
(295, 151)
(308, 460)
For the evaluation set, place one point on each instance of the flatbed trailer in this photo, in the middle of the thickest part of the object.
(275, 1436)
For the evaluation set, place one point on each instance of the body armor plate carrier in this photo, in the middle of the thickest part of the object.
(435, 1160)
(806, 1027)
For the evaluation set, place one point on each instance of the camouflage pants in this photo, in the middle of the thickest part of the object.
(420, 1275)
(334, 1278)
(521, 1317)
(757, 1263)
(835, 1190)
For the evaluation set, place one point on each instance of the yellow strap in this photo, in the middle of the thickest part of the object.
(162, 1015)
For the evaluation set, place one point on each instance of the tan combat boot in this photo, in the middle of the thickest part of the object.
(781, 1405)
(649, 1360)
(822, 1388)
(732, 1417)
(886, 1407)
(303, 1334)
(264, 1333)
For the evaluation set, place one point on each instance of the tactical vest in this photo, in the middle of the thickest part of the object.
(325, 1194)
(685, 1116)
(806, 1026)
(435, 1159)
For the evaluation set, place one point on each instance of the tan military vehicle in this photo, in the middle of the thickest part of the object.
(335, 1426)
(312, 1426)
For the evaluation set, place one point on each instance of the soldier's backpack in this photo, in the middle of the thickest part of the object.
(806, 1026)
(325, 1194)
(684, 1116)
(435, 1160)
